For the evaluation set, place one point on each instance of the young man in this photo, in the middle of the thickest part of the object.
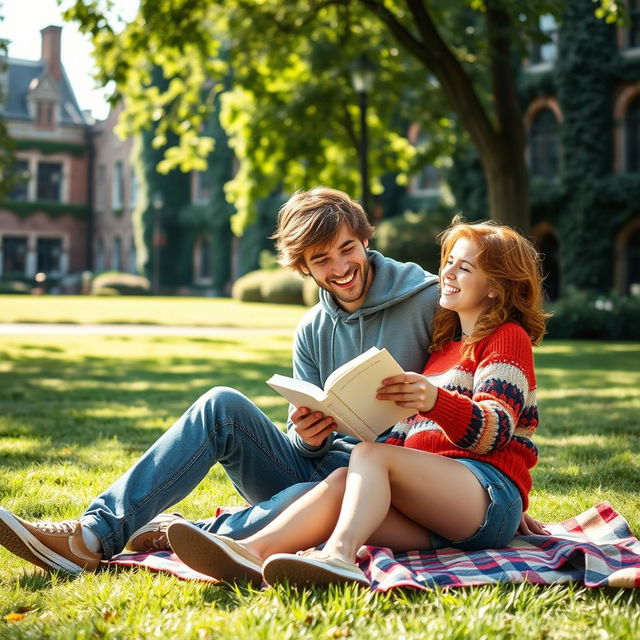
(365, 300)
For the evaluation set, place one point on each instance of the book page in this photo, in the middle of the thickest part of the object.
(304, 394)
(358, 391)
(347, 367)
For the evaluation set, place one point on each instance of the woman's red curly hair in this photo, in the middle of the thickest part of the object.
(514, 272)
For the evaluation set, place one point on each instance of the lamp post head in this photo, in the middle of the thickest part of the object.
(363, 74)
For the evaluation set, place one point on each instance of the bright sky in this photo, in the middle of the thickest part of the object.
(22, 22)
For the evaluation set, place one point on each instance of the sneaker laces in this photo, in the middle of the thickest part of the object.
(66, 527)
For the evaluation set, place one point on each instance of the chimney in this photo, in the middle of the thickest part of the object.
(51, 50)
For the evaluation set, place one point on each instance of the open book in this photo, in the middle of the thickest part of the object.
(349, 395)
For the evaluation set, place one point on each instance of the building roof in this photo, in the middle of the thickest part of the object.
(21, 75)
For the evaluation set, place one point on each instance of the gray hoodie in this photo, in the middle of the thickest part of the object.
(397, 313)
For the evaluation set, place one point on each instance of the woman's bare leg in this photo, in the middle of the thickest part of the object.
(428, 491)
(433, 491)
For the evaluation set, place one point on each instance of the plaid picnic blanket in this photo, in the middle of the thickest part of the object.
(596, 549)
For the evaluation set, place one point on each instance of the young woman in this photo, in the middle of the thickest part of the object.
(455, 474)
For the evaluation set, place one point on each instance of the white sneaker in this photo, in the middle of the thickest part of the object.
(311, 567)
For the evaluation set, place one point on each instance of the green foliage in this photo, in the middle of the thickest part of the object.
(52, 209)
(412, 237)
(248, 288)
(14, 287)
(49, 147)
(276, 286)
(283, 287)
(292, 114)
(116, 283)
(583, 314)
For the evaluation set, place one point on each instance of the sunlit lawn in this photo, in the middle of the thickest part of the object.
(76, 412)
(206, 312)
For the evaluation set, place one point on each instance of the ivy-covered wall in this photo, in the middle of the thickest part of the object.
(587, 204)
(184, 222)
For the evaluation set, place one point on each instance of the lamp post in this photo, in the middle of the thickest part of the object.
(362, 78)
(157, 238)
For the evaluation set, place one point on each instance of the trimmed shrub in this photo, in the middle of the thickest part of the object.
(125, 284)
(282, 287)
(14, 287)
(411, 237)
(310, 292)
(248, 288)
(585, 315)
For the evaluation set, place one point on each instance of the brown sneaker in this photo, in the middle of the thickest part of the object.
(50, 545)
(153, 535)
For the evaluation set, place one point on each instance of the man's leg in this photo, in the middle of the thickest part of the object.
(221, 426)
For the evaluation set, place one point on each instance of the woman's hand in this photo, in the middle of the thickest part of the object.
(410, 390)
(529, 526)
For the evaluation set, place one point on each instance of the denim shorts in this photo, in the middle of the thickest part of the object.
(503, 513)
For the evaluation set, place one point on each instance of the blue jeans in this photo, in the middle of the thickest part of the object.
(221, 426)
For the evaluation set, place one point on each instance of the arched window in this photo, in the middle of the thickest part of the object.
(632, 136)
(544, 148)
(632, 255)
(548, 248)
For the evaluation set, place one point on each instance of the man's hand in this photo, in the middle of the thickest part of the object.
(529, 526)
(313, 427)
(410, 390)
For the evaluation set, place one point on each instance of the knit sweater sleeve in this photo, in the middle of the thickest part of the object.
(503, 392)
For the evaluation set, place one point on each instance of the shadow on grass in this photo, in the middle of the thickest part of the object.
(67, 402)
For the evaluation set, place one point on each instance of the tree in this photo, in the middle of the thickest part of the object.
(291, 114)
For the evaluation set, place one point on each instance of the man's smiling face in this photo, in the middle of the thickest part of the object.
(341, 268)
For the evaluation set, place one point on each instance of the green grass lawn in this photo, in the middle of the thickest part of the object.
(205, 312)
(75, 412)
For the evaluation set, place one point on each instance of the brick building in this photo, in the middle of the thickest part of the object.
(44, 223)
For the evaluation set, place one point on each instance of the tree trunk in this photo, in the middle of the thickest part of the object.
(508, 187)
(499, 138)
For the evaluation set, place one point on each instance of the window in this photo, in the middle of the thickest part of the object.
(546, 52)
(101, 184)
(133, 263)
(633, 263)
(632, 136)
(116, 256)
(428, 179)
(14, 255)
(202, 259)
(633, 32)
(117, 188)
(49, 182)
(544, 153)
(133, 188)
(201, 187)
(99, 260)
(45, 114)
(49, 255)
(20, 190)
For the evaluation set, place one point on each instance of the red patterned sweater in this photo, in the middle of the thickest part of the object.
(486, 406)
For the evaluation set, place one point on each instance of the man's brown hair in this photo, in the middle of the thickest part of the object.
(314, 218)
